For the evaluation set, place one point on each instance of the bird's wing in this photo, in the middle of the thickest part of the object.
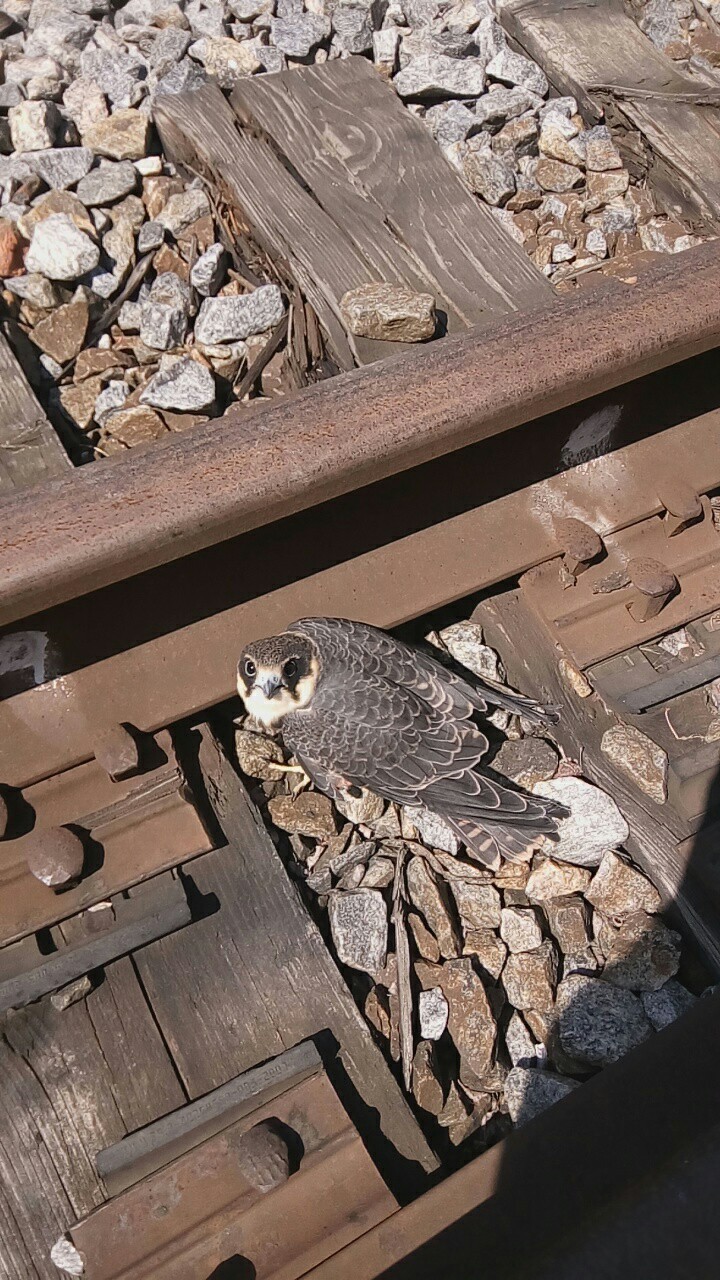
(359, 646)
(383, 736)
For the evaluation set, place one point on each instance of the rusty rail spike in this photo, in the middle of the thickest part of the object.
(654, 584)
(117, 751)
(682, 505)
(580, 543)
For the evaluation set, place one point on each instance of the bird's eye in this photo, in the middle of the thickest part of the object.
(250, 668)
(290, 669)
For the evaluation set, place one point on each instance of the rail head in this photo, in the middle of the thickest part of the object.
(110, 521)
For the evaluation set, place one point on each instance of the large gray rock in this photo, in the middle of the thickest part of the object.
(60, 251)
(165, 313)
(150, 236)
(186, 386)
(298, 35)
(85, 103)
(528, 1092)
(353, 28)
(359, 927)
(61, 167)
(111, 398)
(108, 183)
(501, 105)
(433, 830)
(594, 826)
(121, 76)
(478, 904)
(599, 1023)
(659, 21)
(168, 48)
(231, 319)
(35, 288)
(434, 76)
(513, 69)
(519, 1043)
(183, 78)
(464, 642)
(670, 1002)
(62, 35)
(451, 122)
(520, 928)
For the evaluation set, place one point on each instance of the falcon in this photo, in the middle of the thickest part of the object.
(359, 709)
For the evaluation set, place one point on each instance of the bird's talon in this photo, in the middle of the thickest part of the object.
(281, 769)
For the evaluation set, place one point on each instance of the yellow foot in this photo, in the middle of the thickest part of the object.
(305, 779)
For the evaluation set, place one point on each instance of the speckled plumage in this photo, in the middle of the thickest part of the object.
(389, 718)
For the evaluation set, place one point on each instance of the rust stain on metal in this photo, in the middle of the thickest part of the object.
(682, 507)
(654, 584)
(137, 512)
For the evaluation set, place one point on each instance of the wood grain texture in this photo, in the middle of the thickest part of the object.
(532, 665)
(587, 44)
(200, 133)
(341, 186)
(30, 451)
(73, 1082)
(256, 977)
(376, 171)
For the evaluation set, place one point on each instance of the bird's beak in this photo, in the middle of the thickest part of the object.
(270, 685)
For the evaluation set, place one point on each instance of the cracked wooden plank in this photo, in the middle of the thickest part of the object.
(30, 451)
(339, 186)
(587, 44)
(254, 977)
(73, 1082)
(377, 172)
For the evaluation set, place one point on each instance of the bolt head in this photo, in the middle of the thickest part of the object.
(54, 855)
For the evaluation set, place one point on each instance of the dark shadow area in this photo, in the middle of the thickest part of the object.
(201, 904)
(235, 1268)
(94, 854)
(405, 1178)
(124, 615)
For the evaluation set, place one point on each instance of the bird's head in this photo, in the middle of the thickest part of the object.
(277, 675)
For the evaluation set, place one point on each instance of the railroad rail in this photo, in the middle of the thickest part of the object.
(217, 1106)
(118, 643)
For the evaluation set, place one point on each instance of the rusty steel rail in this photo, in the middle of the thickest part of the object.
(108, 522)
